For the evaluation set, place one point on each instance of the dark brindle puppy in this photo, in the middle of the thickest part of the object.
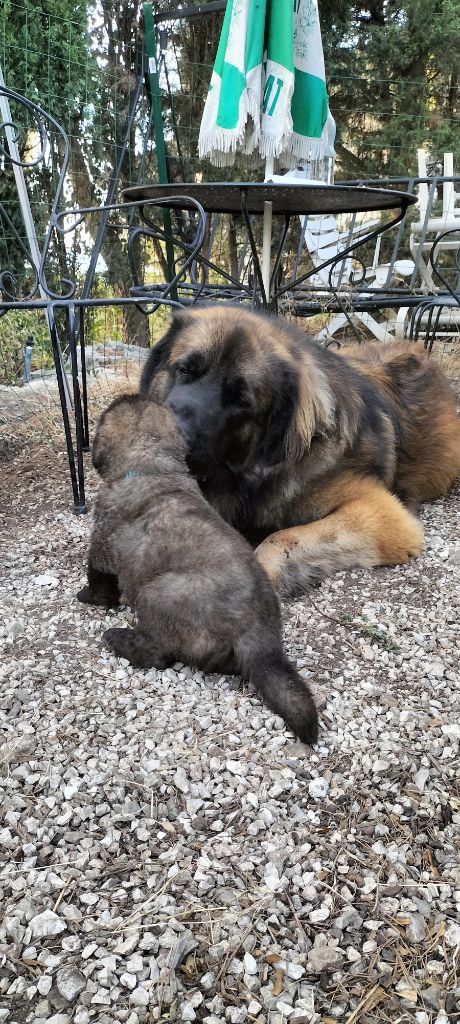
(200, 595)
(317, 457)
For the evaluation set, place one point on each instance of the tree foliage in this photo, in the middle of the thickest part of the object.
(393, 75)
(392, 69)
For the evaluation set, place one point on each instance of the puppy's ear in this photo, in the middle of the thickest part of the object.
(161, 352)
(280, 418)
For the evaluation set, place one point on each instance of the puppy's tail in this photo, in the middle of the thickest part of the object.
(281, 688)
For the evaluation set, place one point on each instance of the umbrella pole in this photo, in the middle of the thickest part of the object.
(267, 234)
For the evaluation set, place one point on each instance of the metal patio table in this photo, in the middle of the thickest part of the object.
(287, 201)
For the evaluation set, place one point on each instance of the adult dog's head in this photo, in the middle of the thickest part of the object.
(243, 387)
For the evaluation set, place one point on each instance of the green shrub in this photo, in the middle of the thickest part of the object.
(15, 328)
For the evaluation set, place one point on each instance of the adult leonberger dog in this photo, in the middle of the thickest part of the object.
(320, 459)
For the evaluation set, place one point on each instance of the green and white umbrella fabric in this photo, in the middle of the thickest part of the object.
(268, 92)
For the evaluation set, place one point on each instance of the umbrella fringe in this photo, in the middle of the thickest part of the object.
(303, 149)
(229, 140)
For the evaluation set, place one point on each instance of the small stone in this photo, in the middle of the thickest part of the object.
(353, 955)
(180, 950)
(250, 964)
(452, 934)
(101, 998)
(81, 1015)
(135, 964)
(451, 730)
(181, 781)
(454, 554)
(320, 914)
(207, 980)
(254, 1008)
(139, 997)
(431, 997)
(284, 1008)
(46, 923)
(45, 581)
(416, 929)
(128, 945)
(348, 918)
(294, 971)
(88, 950)
(421, 778)
(70, 982)
(322, 957)
(306, 1005)
(44, 984)
(318, 788)
(71, 943)
(187, 1012)
(236, 768)
(128, 981)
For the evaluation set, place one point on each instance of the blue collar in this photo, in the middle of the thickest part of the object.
(132, 473)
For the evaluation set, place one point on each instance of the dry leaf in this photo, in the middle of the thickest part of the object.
(167, 827)
(278, 983)
(272, 958)
(372, 999)
(408, 993)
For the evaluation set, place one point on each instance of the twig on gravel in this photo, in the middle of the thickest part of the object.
(373, 997)
(365, 628)
(338, 622)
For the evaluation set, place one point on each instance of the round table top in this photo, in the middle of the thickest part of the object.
(288, 199)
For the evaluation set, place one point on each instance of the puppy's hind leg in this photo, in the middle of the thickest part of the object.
(137, 647)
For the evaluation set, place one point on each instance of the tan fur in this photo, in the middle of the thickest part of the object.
(432, 463)
(316, 403)
(370, 527)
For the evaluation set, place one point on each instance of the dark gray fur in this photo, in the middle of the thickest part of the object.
(200, 595)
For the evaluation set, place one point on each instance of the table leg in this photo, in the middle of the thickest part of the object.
(254, 253)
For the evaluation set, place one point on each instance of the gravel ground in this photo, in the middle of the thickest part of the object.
(169, 852)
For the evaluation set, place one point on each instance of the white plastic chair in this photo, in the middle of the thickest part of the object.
(325, 241)
(425, 229)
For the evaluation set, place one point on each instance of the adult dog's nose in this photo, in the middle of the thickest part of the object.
(184, 417)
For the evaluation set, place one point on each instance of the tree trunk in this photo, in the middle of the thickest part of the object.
(136, 328)
(232, 246)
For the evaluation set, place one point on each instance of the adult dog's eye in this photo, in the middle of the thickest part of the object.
(190, 370)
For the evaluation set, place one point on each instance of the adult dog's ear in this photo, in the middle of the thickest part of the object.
(280, 418)
(161, 351)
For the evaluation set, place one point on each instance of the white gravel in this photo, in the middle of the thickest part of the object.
(169, 852)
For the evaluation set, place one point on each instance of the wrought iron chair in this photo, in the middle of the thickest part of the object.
(440, 314)
(30, 140)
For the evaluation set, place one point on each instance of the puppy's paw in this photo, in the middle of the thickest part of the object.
(89, 596)
(118, 639)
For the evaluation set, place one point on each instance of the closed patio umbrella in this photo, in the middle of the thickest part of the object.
(267, 98)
